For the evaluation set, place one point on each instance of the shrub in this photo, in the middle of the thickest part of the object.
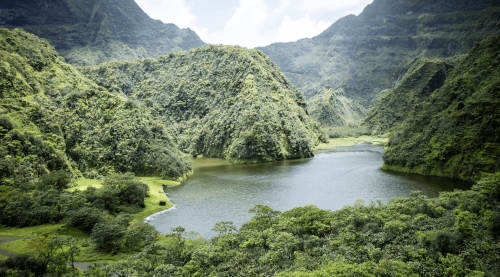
(163, 203)
(84, 218)
(58, 179)
(108, 236)
(25, 266)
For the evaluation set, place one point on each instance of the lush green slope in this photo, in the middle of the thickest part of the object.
(367, 54)
(457, 132)
(333, 108)
(51, 117)
(88, 32)
(221, 101)
(394, 105)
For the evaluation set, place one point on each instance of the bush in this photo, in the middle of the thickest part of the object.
(446, 242)
(25, 266)
(58, 179)
(108, 236)
(84, 218)
(163, 203)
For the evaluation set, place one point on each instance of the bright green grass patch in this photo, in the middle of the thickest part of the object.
(47, 229)
(156, 195)
(3, 257)
(343, 142)
(83, 183)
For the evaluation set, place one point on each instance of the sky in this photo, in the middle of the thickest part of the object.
(252, 23)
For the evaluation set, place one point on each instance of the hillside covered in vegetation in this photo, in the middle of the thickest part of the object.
(220, 101)
(89, 32)
(53, 118)
(366, 54)
(456, 133)
(394, 105)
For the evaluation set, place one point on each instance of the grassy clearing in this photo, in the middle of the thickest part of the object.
(3, 257)
(342, 142)
(47, 229)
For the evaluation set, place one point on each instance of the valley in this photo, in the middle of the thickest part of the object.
(371, 149)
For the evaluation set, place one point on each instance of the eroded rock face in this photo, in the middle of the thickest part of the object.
(90, 32)
(366, 54)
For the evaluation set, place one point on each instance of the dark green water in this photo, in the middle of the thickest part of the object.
(219, 191)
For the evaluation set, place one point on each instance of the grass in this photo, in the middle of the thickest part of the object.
(3, 257)
(156, 195)
(47, 229)
(342, 142)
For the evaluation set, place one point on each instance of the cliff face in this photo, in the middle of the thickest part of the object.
(456, 133)
(89, 32)
(220, 101)
(369, 53)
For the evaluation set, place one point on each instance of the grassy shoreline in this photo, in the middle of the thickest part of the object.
(344, 142)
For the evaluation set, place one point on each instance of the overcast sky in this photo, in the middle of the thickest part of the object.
(252, 23)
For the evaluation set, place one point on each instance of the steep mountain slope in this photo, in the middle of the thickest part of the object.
(333, 108)
(457, 132)
(222, 101)
(365, 54)
(396, 104)
(89, 32)
(51, 118)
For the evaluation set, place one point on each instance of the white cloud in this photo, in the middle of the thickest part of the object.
(170, 11)
(259, 22)
(291, 30)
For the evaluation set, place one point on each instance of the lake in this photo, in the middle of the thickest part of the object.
(220, 191)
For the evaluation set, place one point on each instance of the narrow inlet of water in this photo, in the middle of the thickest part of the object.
(220, 191)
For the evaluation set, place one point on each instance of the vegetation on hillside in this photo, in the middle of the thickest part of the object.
(394, 105)
(221, 101)
(52, 118)
(456, 133)
(334, 109)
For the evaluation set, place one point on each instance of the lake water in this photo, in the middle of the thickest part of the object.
(219, 191)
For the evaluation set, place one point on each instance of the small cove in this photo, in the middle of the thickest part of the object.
(220, 191)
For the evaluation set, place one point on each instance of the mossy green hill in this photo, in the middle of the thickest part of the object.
(89, 32)
(52, 117)
(366, 54)
(221, 101)
(456, 133)
(396, 104)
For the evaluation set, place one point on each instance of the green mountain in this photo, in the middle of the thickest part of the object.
(456, 133)
(366, 54)
(220, 101)
(52, 117)
(396, 104)
(89, 32)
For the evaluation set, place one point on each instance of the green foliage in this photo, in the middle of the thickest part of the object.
(221, 101)
(109, 236)
(53, 118)
(24, 265)
(58, 180)
(455, 133)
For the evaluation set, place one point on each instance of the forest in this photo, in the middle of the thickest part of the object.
(92, 131)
